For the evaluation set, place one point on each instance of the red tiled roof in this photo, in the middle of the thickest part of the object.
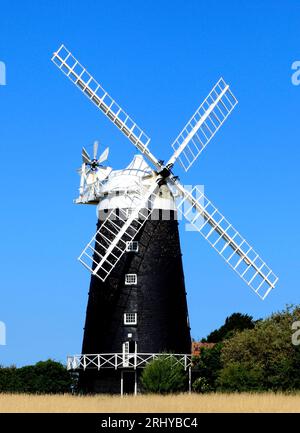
(197, 346)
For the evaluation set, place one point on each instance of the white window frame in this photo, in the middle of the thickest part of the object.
(130, 318)
(132, 246)
(130, 279)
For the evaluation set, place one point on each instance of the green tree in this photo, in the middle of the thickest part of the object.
(264, 357)
(9, 381)
(45, 377)
(49, 377)
(240, 377)
(163, 375)
(207, 366)
(235, 322)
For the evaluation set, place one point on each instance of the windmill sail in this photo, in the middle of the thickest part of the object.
(226, 240)
(203, 125)
(70, 66)
(108, 245)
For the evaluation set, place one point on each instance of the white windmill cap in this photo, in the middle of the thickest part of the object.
(123, 187)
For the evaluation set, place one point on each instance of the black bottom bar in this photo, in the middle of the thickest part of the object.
(137, 422)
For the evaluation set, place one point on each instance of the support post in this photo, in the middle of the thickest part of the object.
(122, 383)
(190, 379)
(135, 382)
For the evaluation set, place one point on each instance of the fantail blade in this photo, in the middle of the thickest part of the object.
(85, 156)
(103, 156)
(95, 148)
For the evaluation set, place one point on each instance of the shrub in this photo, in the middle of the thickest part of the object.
(201, 385)
(163, 375)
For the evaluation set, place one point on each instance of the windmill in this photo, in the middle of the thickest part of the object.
(137, 305)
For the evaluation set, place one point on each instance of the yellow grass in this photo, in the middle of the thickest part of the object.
(177, 403)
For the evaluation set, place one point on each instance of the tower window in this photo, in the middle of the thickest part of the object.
(130, 279)
(132, 246)
(130, 318)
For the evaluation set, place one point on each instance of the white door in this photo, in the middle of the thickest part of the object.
(129, 352)
(126, 354)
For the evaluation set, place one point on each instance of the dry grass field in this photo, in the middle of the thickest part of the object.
(178, 403)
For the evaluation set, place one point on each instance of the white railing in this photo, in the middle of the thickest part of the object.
(120, 360)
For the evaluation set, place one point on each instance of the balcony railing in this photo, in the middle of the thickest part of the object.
(121, 360)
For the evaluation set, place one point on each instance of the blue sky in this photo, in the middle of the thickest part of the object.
(158, 59)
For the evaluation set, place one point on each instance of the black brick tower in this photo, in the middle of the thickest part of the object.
(158, 298)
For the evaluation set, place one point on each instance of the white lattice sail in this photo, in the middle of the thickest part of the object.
(226, 240)
(108, 245)
(204, 124)
(71, 67)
